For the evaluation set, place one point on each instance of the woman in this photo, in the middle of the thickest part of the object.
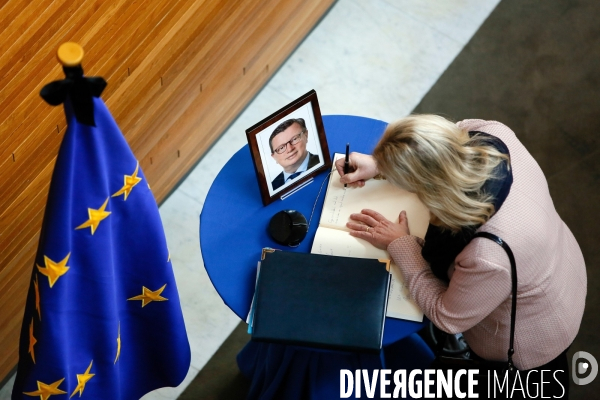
(476, 176)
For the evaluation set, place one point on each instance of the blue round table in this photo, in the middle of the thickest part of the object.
(233, 222)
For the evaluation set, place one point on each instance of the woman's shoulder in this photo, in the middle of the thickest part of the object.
(491, 127)
(483, 251)
(498, 130)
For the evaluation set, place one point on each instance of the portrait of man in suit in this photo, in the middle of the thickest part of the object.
(288, 149)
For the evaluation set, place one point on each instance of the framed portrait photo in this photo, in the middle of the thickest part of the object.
(289, 147)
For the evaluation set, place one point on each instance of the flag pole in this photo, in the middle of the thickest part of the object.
(75, 85)
(70, 54)
(103, 314)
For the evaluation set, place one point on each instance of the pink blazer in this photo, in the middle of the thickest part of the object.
(550, 267)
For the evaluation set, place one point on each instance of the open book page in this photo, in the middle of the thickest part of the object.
(336, 242)
(378, 195)
(250, 317)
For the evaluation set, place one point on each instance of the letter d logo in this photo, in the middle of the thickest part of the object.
(582, 367)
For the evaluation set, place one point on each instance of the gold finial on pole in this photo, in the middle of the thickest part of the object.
(70, 54)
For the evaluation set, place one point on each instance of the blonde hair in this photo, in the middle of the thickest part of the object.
(437, 160)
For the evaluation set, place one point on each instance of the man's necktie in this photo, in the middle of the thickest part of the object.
(294, 175)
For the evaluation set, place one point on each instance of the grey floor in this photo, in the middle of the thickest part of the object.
(533, 65)
(536, 67)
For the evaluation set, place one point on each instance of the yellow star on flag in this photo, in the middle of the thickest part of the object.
(96, 216)
(118, 344)
(45, 390)
(37, 297)
(130, 182)
(32, 341)
(148, 295)
(53, 269)
(82, 379)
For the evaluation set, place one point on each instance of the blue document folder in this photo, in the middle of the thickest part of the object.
(321, 301)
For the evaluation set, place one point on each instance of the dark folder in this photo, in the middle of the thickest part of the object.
(321, 301)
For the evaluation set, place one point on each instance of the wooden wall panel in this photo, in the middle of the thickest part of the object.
(178, 72)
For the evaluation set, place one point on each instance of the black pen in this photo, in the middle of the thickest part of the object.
(347, 162)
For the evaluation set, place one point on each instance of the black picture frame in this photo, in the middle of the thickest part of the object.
(273, 170)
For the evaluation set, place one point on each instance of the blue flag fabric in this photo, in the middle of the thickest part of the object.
(103, 318)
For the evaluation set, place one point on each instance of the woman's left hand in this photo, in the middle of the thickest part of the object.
(376, 229)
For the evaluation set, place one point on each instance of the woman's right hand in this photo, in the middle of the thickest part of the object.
(362, 167)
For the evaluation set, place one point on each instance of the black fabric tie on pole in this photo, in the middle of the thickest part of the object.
(80, 89)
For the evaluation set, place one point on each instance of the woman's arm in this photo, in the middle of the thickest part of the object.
(476, 289)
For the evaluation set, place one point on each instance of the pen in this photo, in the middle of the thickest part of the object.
(347, 162)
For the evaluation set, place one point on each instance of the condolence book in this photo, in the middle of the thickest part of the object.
(321, 301)
(333, 236)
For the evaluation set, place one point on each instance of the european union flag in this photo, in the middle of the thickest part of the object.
(103, 318)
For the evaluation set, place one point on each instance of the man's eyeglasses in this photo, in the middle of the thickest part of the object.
(293, 141)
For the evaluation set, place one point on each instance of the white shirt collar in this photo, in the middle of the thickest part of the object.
(302, 168)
